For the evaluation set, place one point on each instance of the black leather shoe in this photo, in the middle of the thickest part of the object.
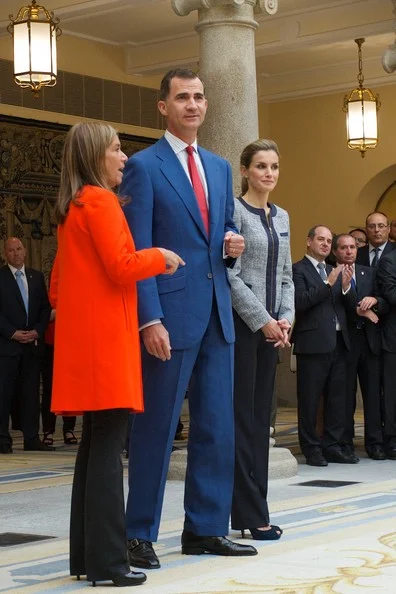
(37, 446)
(5, 448)
(391, 453)
(376, 452)
(133, 578)
(316, 459)
(142, 554)
(341, 458)
(214, 545)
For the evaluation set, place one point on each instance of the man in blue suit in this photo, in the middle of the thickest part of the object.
(181, 199)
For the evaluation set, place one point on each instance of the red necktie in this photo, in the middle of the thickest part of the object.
(198, 187)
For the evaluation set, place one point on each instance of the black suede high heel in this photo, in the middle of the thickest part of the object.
(274, 533)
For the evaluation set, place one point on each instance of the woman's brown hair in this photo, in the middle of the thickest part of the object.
(83, 163)
(248, 153)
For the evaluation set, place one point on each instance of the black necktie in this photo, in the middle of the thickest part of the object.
(374, 263)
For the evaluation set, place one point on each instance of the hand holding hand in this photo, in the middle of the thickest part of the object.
(368, 313)
(274, 333)
(173, 261)
(21, 336)
(367, 303)
(156, 341)
(234, 244)
(285, 326)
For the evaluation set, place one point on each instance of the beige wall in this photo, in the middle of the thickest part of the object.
(322, 181)
(91, 58)
(83, 56)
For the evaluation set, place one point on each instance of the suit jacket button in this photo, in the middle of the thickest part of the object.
(210, 275)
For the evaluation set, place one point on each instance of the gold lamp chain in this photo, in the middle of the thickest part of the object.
(360, 77)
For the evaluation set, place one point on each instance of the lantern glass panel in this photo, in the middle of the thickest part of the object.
(362, 122)
(41, 51)
(21, 50)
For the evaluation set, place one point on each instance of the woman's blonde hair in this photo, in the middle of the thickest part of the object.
(248, 153)
(83, 163)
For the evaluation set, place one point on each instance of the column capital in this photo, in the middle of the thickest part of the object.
(269, 6)
(184, 7)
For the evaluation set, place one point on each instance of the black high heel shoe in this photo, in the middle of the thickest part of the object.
(274, 533)
(133, 578)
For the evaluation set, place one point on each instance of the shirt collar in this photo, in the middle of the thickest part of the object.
(314, 261)
(380, 247)
(177, 144)
(14, 270)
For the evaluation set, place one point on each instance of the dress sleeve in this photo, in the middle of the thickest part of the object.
(109, 233)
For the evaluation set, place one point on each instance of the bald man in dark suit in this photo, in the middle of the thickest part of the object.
(24, 315)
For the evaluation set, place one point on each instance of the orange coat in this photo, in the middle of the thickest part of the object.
(93, 289)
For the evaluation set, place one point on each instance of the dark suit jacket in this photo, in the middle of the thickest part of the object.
(386, 279)
(363, 253)
(317, 306)
(13, 313)
(366, 287)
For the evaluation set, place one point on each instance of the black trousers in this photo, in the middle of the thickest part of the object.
(98, 546)
(48, 418)
(317, 375)
(362, 364)
(389, 396)
(254, 377)
(22, 371)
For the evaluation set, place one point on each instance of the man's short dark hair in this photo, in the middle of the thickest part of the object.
(312, 231)
(358, 229)
(336, 238)
(185, 73)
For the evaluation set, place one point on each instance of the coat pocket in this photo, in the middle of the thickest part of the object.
(170, 284)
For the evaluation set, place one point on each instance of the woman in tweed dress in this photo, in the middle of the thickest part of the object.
(263, 302)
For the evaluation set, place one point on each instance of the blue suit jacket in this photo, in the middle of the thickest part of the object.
(163, 212)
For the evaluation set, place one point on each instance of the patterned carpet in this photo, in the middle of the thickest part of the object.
(340, 539)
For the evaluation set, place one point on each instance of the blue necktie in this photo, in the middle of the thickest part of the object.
(353, 284)
(322, 271)
(22, 288)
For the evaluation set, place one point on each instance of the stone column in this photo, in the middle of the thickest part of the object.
(227, 66)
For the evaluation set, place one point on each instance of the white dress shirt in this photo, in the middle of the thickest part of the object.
(23, 276)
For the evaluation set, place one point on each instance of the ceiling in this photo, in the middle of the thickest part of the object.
(306, 49)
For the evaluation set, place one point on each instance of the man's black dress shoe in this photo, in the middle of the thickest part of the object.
(376, 452)
(214, 545)
(391, 453)
(142, 554)
(316, 459)
(132, 578)
(340, 457)
(37, 446)
(5, 448)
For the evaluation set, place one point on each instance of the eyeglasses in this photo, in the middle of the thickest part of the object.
(360, 240)
(373, 226)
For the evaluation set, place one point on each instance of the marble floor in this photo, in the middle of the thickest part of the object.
(339, 533)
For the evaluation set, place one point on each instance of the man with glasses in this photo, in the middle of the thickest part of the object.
(377, 230)
(360, 237)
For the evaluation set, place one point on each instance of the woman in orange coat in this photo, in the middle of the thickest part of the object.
(97, 354)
